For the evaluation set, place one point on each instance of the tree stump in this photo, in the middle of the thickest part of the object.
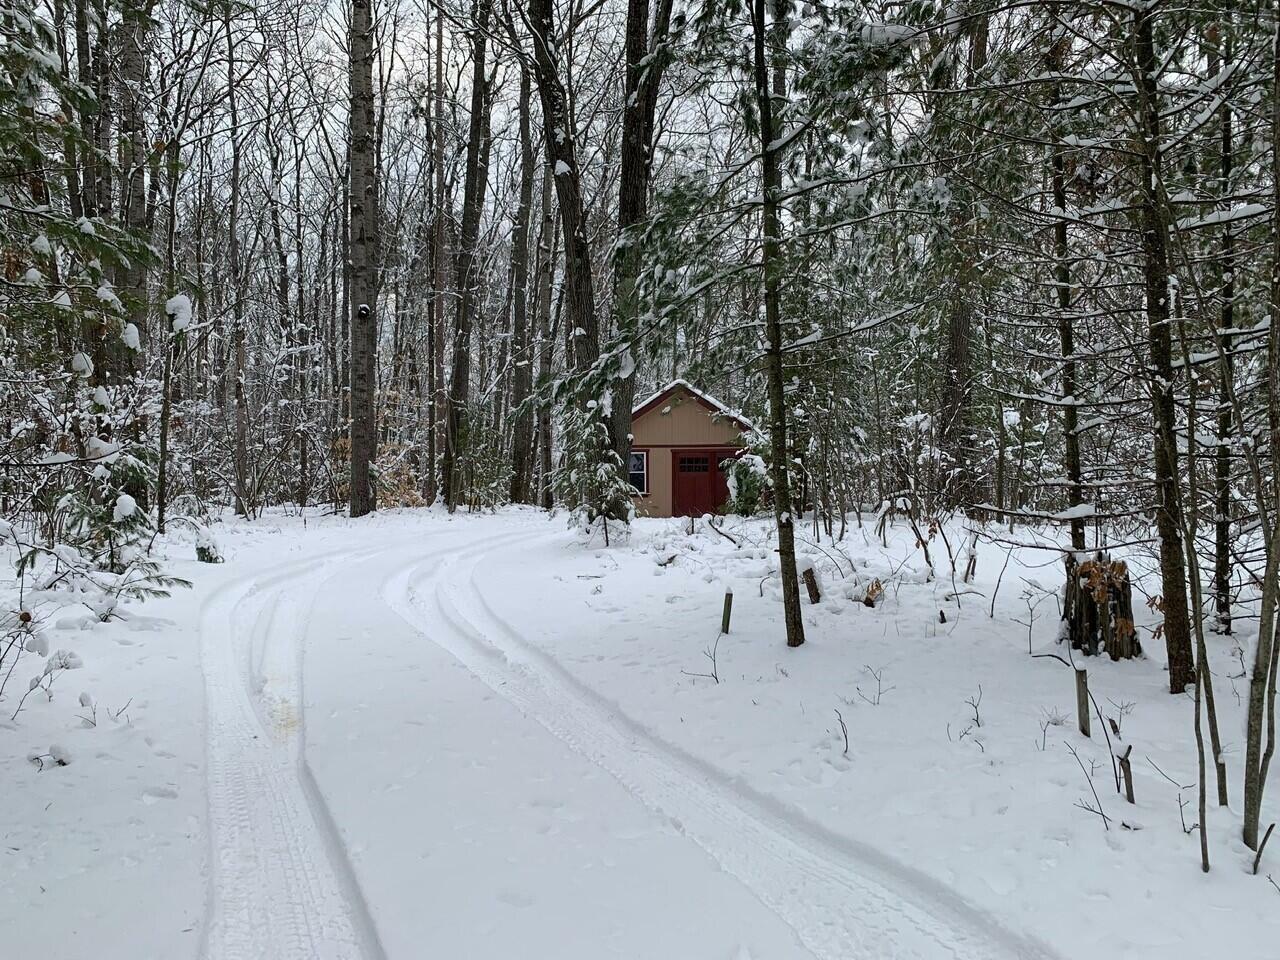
(1098, 607)
(811, 584)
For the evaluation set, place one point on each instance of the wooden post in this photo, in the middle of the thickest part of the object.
(1126, 773)
(811, 584)
(728, 609)
(1082, 700)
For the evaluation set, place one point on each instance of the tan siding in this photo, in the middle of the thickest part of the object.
(680, 420)
(658, 502)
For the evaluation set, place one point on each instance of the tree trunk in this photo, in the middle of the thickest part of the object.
(1226, 279)
(1260, 725)
(135, 27)
(771, 178)
(167, 337)
(546, 338)
(1177, 628)
(645, 66)
(1066, 324)
(477, 176)
(85, 75)
(958, 435)
(522, 375)
(562, 156)
(240, 464)
(435, 342)
(363, 250)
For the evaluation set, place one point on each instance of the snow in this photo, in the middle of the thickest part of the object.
(125, 508)
(980, 810)
(562, 169)
(1080, 511)
(130, 336)
(495, 744)
(178, 307)
(105, 451)
(108, 295)
(1241, 211)
(81, 365)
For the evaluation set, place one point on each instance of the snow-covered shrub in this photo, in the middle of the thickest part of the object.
(87, 532)
(207, 550)
(746, 477)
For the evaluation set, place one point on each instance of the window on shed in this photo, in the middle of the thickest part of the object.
(638, 470)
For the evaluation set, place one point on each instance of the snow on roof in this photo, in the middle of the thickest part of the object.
(723, 408)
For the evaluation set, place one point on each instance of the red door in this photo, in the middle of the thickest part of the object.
(698, 485)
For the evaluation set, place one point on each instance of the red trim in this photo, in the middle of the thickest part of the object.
(652, 402)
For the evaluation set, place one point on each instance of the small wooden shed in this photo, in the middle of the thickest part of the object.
(680, 436)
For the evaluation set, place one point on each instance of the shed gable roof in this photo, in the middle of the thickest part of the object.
(711, 403)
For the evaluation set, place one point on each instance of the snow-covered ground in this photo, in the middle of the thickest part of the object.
(414, 735)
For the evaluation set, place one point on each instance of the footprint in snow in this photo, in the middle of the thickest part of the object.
(515, 898)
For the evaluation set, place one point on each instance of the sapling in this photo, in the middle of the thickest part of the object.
(710, 653)
(1096, 806)
(975, 702)
(881, 689)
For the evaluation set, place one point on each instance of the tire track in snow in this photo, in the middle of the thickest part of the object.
(845, 900)
(280, 886)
